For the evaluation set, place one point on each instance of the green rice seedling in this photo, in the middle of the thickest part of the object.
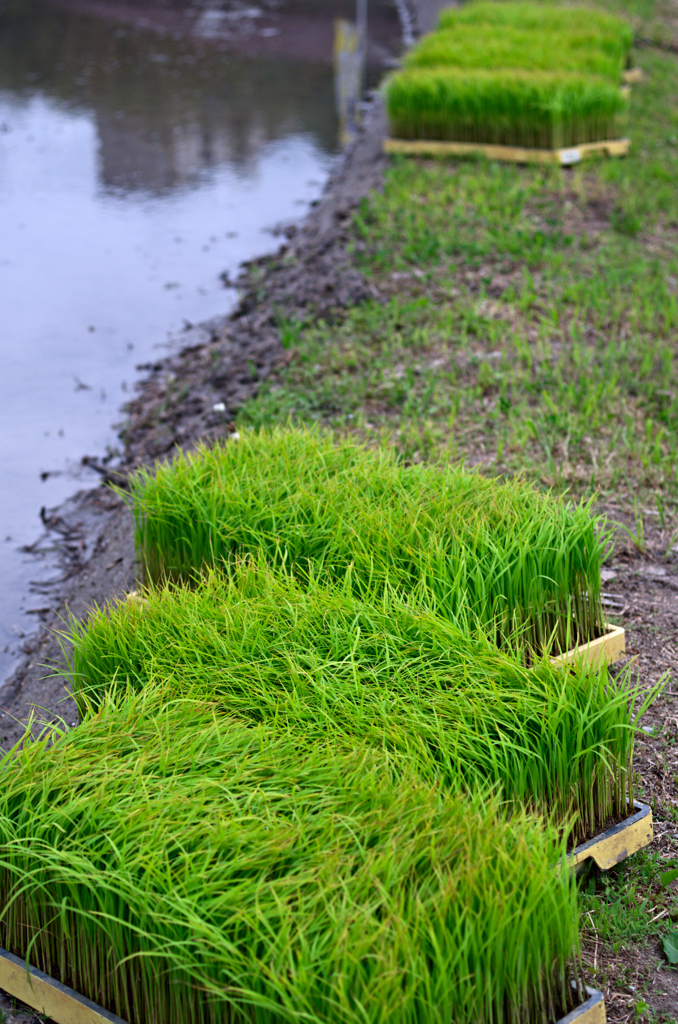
(534, 109)
(498, 555)
(614, 35)
(175, 865)
(319, 659)
(471, 47)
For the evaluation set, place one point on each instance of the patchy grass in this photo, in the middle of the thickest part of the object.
(624, 917)
(525, 320)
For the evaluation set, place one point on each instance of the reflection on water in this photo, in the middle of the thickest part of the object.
(144, 148)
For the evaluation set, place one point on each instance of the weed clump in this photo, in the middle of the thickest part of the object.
(176, 865)
(497, 556)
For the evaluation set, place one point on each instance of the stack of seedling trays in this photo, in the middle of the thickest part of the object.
(521, 82)
(331, 766)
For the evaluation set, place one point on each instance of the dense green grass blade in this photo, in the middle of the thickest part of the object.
(178, 866)
(397, 675)
(613, 33)
(499, 555)
(523, 74)
(535, 109)
(471, 47)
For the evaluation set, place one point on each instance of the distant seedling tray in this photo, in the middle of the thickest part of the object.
(618, 842)
(591, 1011)
(609, 647)
(64, 1006)
(510, 154)
(48, 996)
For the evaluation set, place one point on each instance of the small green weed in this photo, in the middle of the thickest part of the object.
(633, 902)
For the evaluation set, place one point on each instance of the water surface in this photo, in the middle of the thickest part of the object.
(145, 148)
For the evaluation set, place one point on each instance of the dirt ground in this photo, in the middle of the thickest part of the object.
(642, 595)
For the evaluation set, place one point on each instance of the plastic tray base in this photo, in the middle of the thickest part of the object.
(592, 1011)
(609, 647)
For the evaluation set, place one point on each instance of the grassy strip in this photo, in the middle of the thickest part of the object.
(178, 866)
(500, 556)
(525, 321)
(480, 46)
(536, 109)
(394, 674)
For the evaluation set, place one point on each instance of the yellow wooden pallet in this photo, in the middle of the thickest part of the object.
(607, 648)
(510, 154)
(632, 76)
(48, 996)
(617, 843)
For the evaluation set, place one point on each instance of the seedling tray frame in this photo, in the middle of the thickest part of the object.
(609, 647)
(510, 154)
(618, 842)
(49, 996)
(64, 1006)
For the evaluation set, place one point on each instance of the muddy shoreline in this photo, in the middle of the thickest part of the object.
(222, 363)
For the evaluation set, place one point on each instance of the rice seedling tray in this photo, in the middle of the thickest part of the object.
(565, 156)
(591, 1011)
(618, 842)
(48, 996)
(608, 648)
